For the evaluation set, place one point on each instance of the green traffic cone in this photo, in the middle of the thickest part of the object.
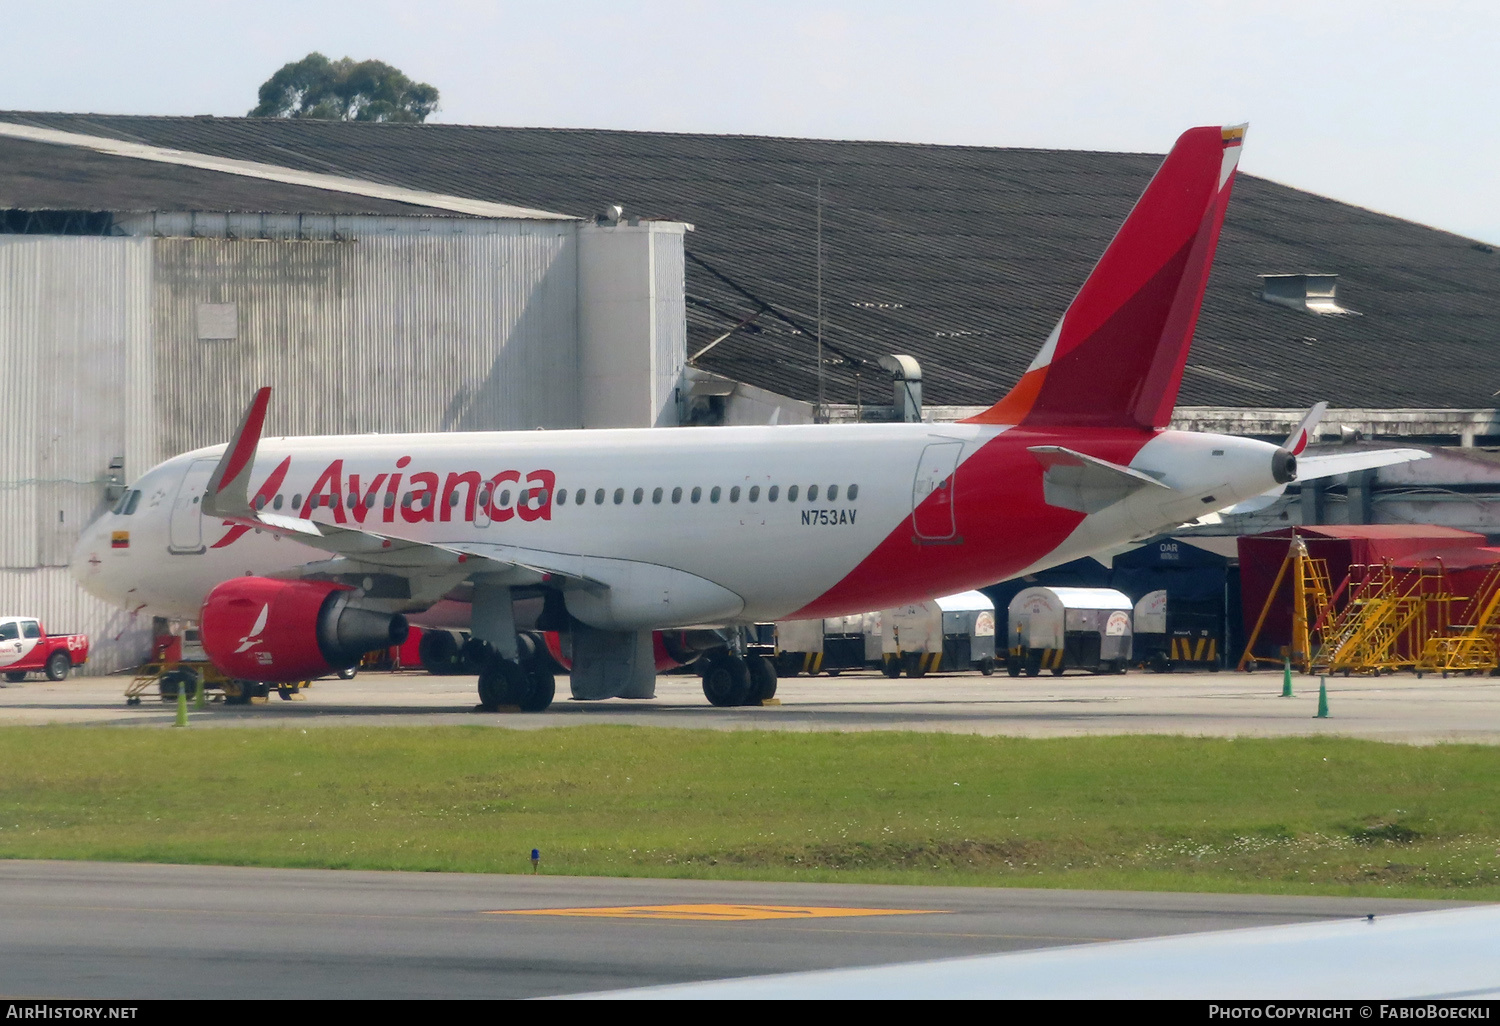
(200, 700)
(1286, 678)
(181, 705)
(1322, 698)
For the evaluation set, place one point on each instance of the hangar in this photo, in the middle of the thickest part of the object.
(422, 277)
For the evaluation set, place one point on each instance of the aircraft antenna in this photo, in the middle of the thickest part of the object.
(822, 410)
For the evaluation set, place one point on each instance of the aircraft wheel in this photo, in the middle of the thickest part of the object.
(502, 682)
(59, 664)
(726, 680)
(541, 688)
(762, 680)
(438, 653)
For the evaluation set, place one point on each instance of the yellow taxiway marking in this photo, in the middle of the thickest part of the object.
(720, 913)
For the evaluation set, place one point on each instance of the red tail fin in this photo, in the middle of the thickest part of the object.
(1116, 357)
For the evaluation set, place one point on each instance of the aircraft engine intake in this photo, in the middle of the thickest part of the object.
(257, 628)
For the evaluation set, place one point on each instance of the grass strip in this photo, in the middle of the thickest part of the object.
(1288, 815)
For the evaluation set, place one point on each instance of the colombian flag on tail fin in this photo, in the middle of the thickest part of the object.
(1115, 358)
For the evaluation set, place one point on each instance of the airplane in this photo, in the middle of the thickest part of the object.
(649, 547)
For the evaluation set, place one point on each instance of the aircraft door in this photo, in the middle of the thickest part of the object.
(482, 505)
(186, 530)
(933, 515)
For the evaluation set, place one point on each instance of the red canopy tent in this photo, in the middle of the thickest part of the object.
(1343, 546)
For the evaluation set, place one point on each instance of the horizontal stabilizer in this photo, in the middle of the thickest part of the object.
(1313, 468)
(1086, 484)
(1310, 468)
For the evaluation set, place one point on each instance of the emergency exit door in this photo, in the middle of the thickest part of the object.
(934, 517)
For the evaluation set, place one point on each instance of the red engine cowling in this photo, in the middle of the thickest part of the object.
(256, 628)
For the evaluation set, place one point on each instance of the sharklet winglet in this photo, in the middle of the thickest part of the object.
(228, 491)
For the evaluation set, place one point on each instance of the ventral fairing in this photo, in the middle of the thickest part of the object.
(298, 554)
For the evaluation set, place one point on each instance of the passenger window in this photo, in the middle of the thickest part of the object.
(452, 499)
(713, 496)
(579, 496)
(754, 493)
(405, 501)
(484, 496)
(297, 500)
(771, 494)
(31, 629)
(791, 493)
(734, 494)
(812, 493)
(619, 496)
(853, 492)
(676, 494)
(135, 500)
(390, 500)
(638, 495)
(504, 498)
(697, 493)
(598, 496)
(562, 496)
(833, 493)
(260, 502)
(9, 631)
(656, 496)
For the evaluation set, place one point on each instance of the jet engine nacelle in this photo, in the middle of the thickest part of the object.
(256, 628)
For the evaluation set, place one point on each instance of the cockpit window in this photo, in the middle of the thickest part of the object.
(135, 500)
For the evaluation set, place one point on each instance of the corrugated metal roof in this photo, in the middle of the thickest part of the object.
(961, 256)
(270, 172)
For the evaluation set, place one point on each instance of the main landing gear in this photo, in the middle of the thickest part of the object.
(732, 679)
(526, 683)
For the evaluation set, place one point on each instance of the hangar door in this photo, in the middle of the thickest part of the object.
(933, 513)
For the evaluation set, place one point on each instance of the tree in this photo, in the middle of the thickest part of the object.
(344, 90)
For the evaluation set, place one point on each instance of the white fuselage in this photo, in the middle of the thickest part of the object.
(682, 526)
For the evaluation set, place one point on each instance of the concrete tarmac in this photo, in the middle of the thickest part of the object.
(1393, 708)
(99, 930)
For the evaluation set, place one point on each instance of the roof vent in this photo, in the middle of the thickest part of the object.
(1311, 293)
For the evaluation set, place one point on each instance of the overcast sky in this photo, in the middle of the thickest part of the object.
(1388, 105)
